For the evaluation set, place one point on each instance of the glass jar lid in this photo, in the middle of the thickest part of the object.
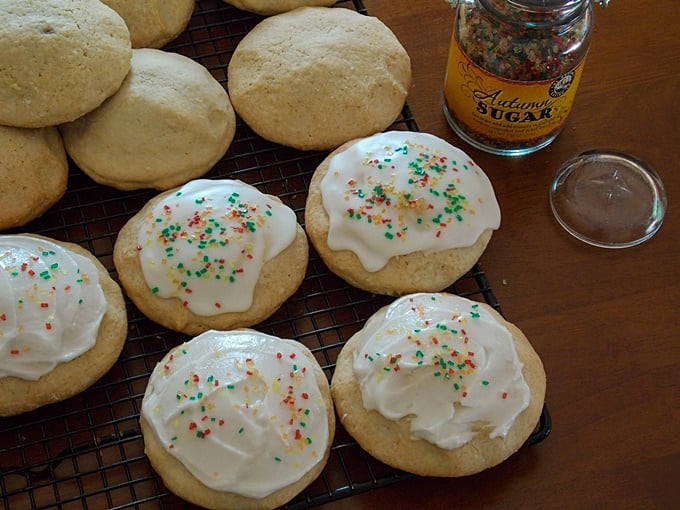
(608, 199)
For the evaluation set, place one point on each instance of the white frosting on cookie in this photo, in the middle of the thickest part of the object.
(206, 243)
(444, 362)
(400, 192)
(51, 305)
(240, 409)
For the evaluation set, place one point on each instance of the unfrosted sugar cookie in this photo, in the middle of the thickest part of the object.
(452, 387)
(212, 254)
(153, 23)
(400, 212)
(267, 7)
(60, 59)
(34, 173)
(63, 321)
(238, 419)
(315, 77)
(171, 121)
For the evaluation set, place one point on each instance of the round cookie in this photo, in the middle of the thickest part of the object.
(153, 23)
(335, 75)
(238, 419)
(171, 121)
(213, 254)
(59, 59)
(34, 173)
(400, 212)
(452, 387)
(268, 7)
(63, 321)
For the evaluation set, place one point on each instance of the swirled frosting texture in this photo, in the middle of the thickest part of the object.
(51, 305)
(446, 363)
(240, 409)
(206, 244)
(400, 192)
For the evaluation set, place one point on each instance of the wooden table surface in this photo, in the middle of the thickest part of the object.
(605, 322)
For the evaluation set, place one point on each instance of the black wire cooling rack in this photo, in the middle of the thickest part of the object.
(87, 452)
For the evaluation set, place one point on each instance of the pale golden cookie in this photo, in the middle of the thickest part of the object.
(18, 395)
(268, 7)
(414, 269)
(171, 121)
(153, 23)
(278, 279)
(34, 170)
(395, 443)
(60, 59)
(312, 412)
(315, 77)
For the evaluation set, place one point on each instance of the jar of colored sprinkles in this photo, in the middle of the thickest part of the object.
(513, 70)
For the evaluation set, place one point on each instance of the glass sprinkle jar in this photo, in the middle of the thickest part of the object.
(513, 70)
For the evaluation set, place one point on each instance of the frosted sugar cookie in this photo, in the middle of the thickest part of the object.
(400, 212)
(452, 387)
(153, 23)
(336, 75)
(212, 254)
(34, 173)
(63, 321)
(59, 59)
(171, 121)
(267, 7)
(238, 419)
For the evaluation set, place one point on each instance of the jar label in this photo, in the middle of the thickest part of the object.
(495, 109)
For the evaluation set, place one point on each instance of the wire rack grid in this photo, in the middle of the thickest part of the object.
(87, 452)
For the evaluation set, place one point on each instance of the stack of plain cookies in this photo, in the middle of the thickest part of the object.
(396, 213)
